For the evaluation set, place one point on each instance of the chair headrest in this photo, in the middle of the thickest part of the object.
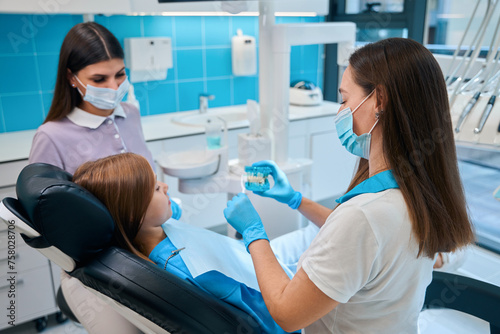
(66, 215)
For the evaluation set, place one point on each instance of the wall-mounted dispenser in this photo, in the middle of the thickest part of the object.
(148, 58)
(243, 54)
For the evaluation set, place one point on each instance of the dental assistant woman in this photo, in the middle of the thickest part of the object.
(88, 121)
(368, 267)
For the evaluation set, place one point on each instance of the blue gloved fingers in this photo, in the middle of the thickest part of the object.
(241, 214)
(176, 210)
(281, 191)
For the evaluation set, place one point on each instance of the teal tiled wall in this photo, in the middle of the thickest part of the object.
(29, 52)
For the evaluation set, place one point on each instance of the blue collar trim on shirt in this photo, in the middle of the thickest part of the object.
(377, 183)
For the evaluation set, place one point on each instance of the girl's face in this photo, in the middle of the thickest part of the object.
(159, 210)
(352, 96)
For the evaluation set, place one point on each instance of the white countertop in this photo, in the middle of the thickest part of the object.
(16, 145)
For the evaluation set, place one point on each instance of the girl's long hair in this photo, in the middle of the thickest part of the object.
(124, 183)
(418, 140)
(85, 44)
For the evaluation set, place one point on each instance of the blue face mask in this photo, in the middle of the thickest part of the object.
(104, 98)
(357, 145)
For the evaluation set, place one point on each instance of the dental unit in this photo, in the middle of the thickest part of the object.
(270, 139)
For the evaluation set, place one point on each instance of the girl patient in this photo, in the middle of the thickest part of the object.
(139, 204)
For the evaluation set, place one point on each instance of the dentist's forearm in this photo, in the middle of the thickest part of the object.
(314, 212)
(293, 304)
(272, 281)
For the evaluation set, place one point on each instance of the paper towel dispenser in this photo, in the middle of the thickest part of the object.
(148, 58)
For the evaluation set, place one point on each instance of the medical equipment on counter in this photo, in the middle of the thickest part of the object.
(305, 93)
(488, 79)
(256, 178)
(77, 231)
(475, 115)
(455, 86)
(486, 114)
(466, 111)
(448, 74)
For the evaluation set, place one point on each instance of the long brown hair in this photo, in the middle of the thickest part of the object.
(418, 140)
(85, 44)
(124, 183)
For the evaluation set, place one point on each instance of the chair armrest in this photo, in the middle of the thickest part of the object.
(465, 294)
(161, 297)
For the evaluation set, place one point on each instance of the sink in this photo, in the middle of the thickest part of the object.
(189, 164)
(201, 119)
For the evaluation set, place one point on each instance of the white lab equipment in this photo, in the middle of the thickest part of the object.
(305, 93)
(243, 54)
(148, 58)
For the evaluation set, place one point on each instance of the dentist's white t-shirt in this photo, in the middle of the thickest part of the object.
(365, 257)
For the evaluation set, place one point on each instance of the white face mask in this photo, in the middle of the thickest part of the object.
(104, 98)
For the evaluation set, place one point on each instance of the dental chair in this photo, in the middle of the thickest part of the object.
(467, 295)
(72, 228)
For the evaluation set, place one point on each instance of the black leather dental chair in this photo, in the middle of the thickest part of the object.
(72, 228)
(467, 295)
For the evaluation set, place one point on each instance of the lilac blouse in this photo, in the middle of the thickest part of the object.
(82, 137)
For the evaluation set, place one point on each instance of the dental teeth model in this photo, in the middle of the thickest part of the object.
(256, 178)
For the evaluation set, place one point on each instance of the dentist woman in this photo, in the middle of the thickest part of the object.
(368, 267)
(88, 121)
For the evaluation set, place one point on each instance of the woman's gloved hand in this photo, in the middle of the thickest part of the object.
(282, 191)
(176, 209)
(241, 214)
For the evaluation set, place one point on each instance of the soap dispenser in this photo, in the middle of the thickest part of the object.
(243, 54)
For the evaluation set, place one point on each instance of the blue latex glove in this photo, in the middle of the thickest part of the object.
(282, 191)
(241, 214)
(176, 210)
